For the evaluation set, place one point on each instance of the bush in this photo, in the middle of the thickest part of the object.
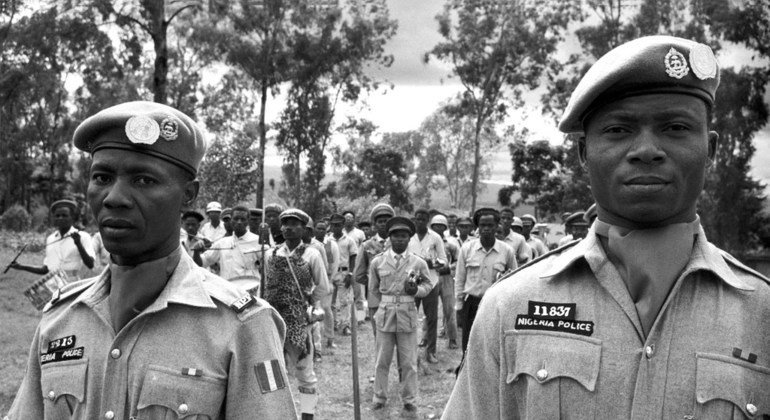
(16, 219)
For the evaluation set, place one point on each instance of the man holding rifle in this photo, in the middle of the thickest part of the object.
(67, 248)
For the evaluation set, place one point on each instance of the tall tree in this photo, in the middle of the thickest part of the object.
(536, 168)
(497, 50)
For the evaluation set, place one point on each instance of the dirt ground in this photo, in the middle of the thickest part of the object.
(335, 386)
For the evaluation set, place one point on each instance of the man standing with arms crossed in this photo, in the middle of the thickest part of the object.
(154, 336)
(643, 318)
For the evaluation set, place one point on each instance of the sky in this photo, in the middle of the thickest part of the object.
(419, 89)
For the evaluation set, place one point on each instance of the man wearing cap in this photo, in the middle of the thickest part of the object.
(351, 230)
(272, 213)
(295, 283)
(513, 239)
(236, 255)
(343, 278)
(446, 280)
(464, 229)
(227, 217)
(377, 244)
(68, 248)
(429, 246)
(480, 263)
(538, 247)
(396, 278)
(154, 336)
(576, 227)
(213, 230)
(643, 318)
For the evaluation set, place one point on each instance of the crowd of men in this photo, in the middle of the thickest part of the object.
(635, 316)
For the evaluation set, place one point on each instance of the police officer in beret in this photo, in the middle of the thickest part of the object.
(68, 248)
(643, 318)
(396, 278)
(154, 336)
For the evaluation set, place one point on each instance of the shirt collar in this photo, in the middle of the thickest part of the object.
(479, 247)
(185, 286)
(57, 233)
(705, 257)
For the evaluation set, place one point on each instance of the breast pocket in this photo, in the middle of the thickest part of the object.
(64, 388)
(728, 388)
(166, 394)
(472, 271)
(549, 371)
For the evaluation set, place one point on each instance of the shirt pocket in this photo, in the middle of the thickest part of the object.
(727, 388)
(166, 394)
(472, 272)
(406, 317)
(64, 388)
(547, 371)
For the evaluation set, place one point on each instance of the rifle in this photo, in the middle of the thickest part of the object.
(354, 356)
(8, 267)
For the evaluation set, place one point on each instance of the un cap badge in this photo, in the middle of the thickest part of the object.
(142, 129)
(169, 129)
(703, 62)
(676, 64)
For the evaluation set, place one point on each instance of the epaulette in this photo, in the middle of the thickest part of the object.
(69, 291)
(542, 257)
(228, 295)
(734, 261)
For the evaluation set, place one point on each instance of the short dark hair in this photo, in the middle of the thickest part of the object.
(422, 211)
(506, 209)
(241, 208)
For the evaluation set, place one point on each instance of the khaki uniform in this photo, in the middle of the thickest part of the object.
(562, 338)
(396, 319)
(202, 348)
(366, 252)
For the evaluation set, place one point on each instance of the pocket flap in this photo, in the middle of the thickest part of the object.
(182, 394)
(546, 355)
(64, 378)
(740, 383)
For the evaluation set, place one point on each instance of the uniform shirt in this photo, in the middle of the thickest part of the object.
(101, 255)
(520, 247)
(347, 247)
(387, 276)
(537, 246)
(237, 256)
(355, 234)
(212, 233)
(477, 268)
(591, 359)
(430, 248)
(63, 253)
(313, 257)
(191, 351)
(366, 253)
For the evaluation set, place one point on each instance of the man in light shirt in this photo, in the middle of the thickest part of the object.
(214, 229)
(343, 278)
(513, 239)
(351, 230)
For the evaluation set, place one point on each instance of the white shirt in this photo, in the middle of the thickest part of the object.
(64, 254)
(431, 247)
(101, 255)
(347, 247)
(356, 235)
(236, 256)
(212, 233)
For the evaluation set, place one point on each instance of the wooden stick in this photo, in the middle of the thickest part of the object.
(354, 355)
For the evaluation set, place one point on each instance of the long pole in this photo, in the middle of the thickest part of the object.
(354, 355)
(264, 257)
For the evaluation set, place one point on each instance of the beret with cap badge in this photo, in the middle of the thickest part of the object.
(144, 127)
(647, 65)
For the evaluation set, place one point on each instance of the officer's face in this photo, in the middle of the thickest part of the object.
(487, 227)
(381, 223)
(62, 218)
(240, 222)
(647, 158)
(506, 218)
(191, 225)
(136, 200)
(292, 228)
(399, 240)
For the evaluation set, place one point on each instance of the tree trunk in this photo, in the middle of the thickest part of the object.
(476, 162)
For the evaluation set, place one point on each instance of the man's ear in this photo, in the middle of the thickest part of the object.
(713, 144)
(581, 143)
(191, 191)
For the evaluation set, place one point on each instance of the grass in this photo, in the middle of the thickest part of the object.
(335, 383)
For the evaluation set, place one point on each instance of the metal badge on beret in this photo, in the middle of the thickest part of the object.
(676, 64)
(142, 129)
(703, 62)
(169, 129)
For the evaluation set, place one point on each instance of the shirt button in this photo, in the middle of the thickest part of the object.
(542, 374)
(109, 415)
(751, 408)
(649, 351)
(115, 353)
(183, 408)
(51, 395)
